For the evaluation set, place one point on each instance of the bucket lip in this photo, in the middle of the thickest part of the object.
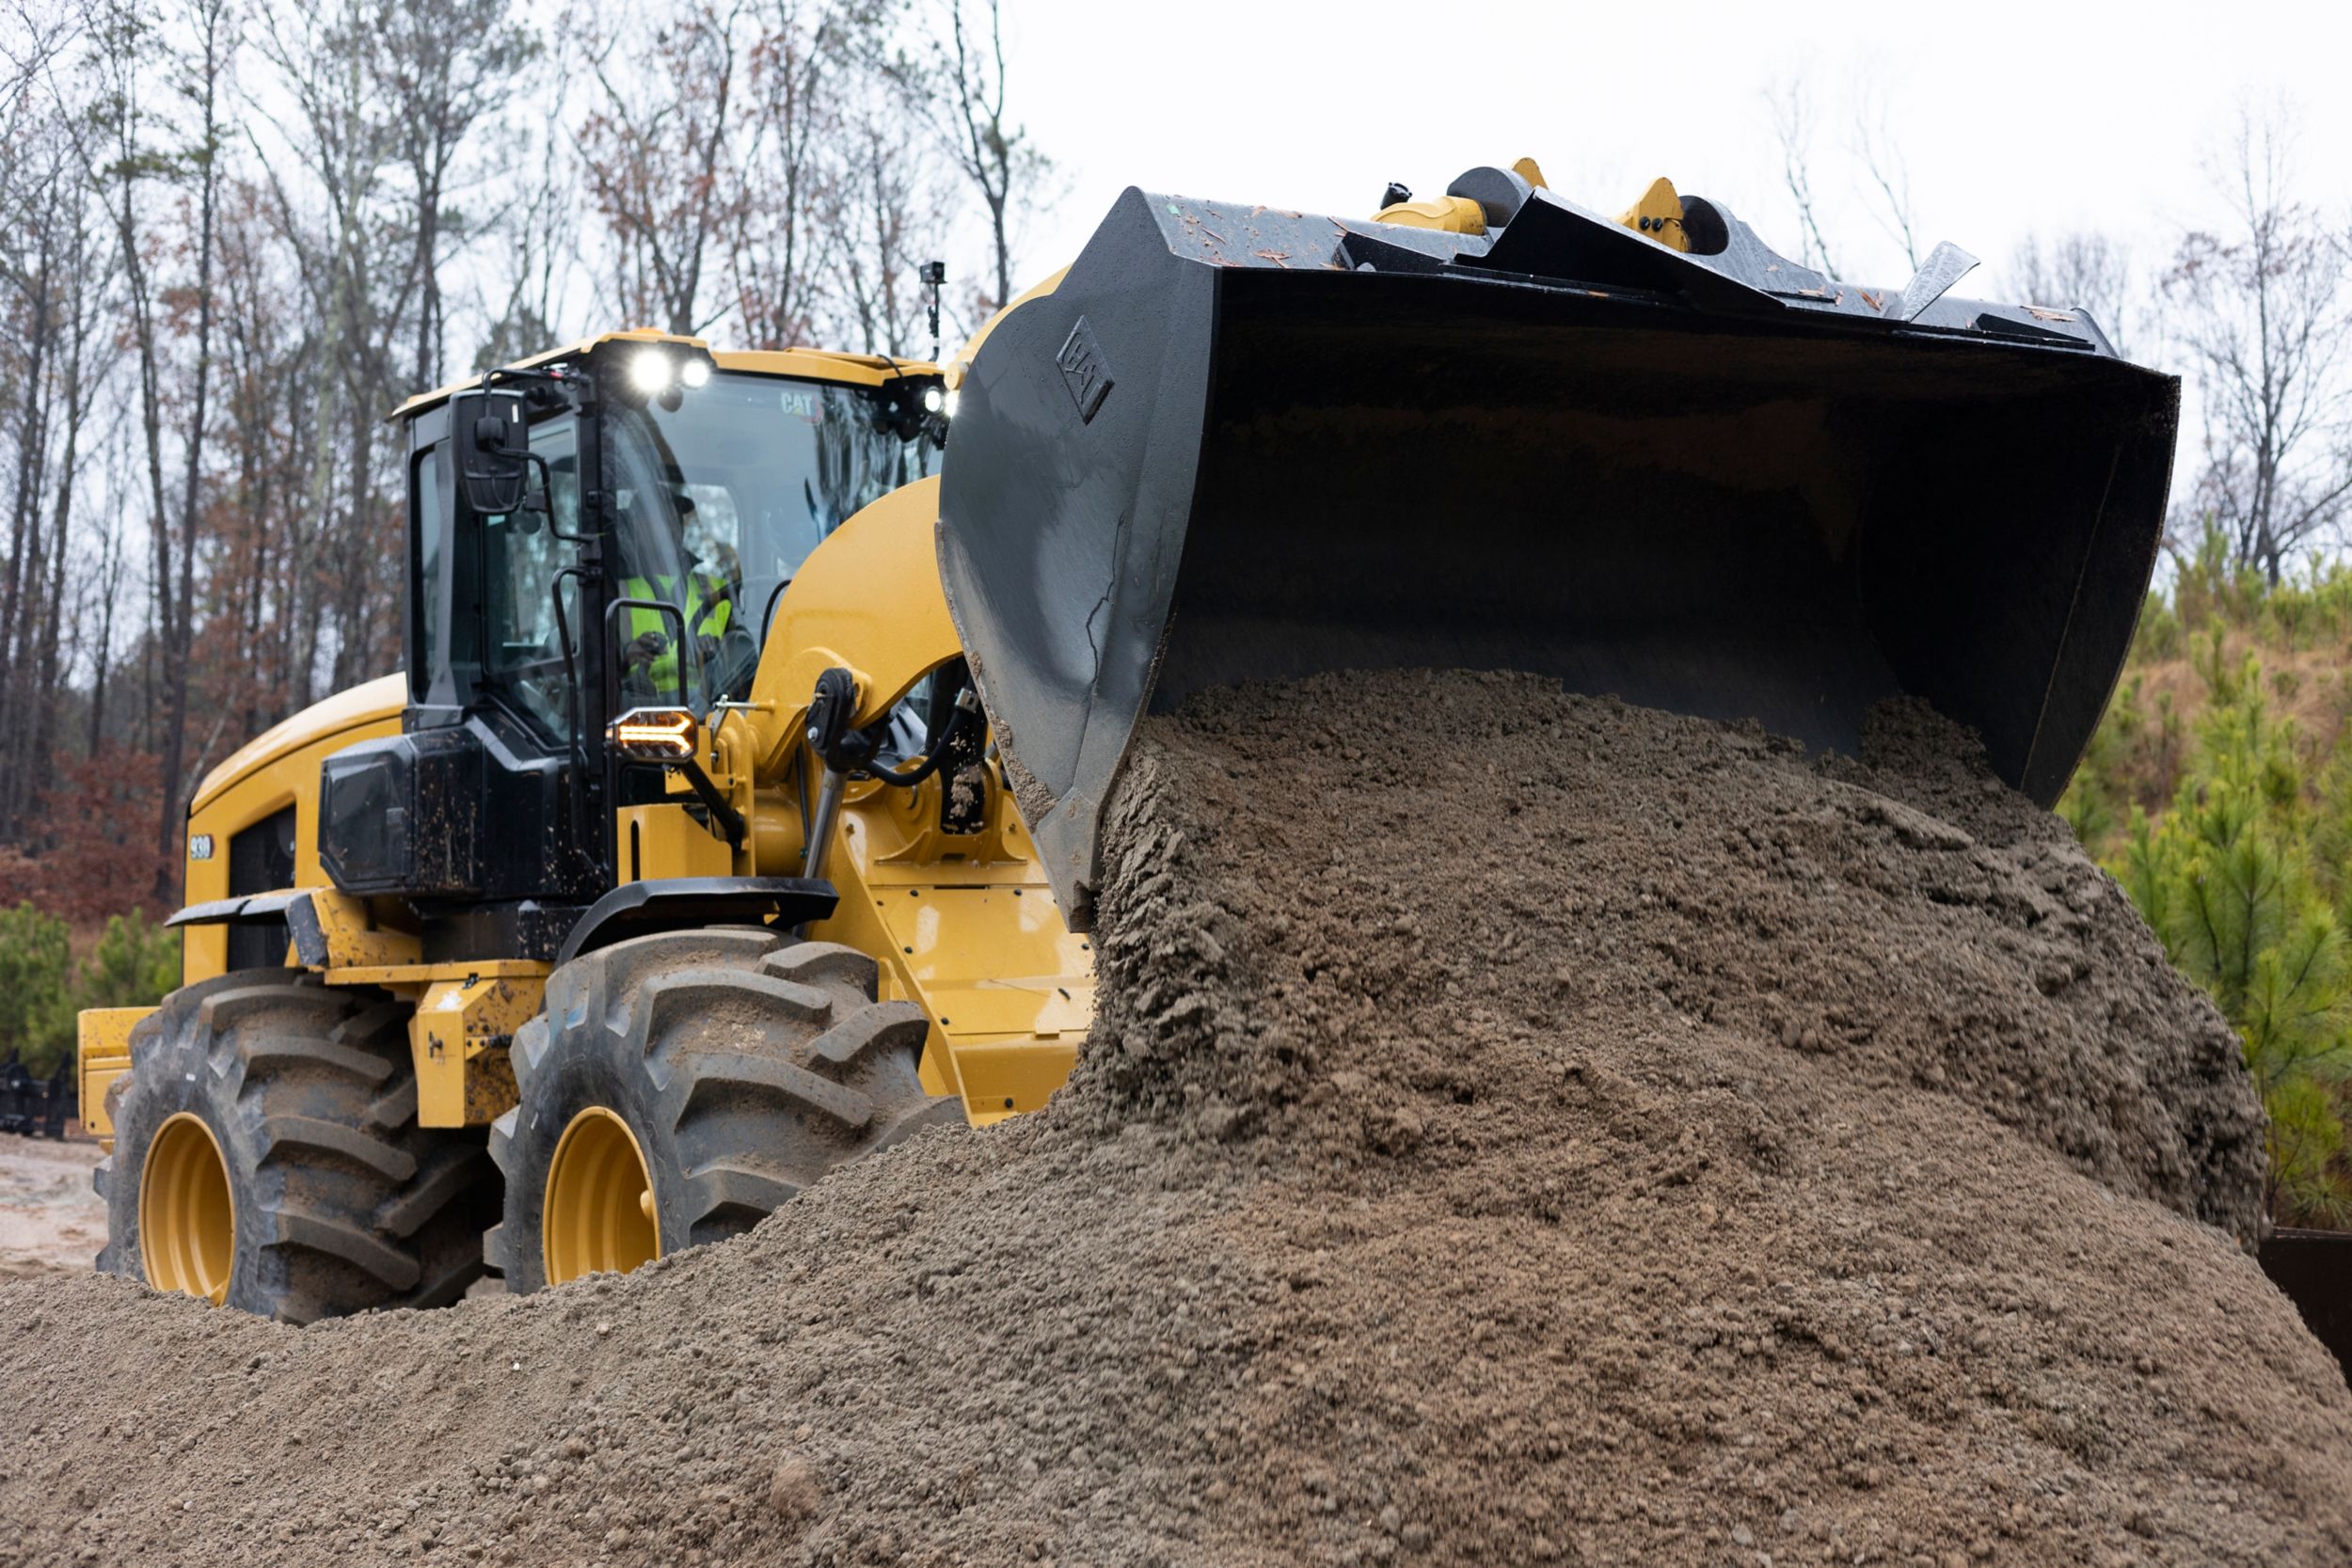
(1601, 257)
(1628, 310)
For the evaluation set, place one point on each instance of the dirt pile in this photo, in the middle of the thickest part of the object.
(1519, 1128)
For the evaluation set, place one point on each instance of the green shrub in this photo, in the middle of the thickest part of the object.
(133, 965)
(2161, 632)
(36, 989)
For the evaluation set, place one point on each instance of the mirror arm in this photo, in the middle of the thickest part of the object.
(546, 489)
(731, 824)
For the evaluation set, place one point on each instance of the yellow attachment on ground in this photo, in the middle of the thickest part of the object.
(598, 1212)
(1659, 215)
(459, 1036)
(1455, 214)
(102, 1054)
(187, 1220)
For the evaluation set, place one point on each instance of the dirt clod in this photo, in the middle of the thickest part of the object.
(1724, 1155)
(795, 1490)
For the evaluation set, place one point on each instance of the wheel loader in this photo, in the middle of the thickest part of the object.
(738, 811)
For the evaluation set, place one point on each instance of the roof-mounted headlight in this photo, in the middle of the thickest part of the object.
(650, 371)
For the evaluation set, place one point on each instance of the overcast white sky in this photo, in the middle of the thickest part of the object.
(2013, 119)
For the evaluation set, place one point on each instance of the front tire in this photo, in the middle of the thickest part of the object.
(267, 1157)
(679, 1087)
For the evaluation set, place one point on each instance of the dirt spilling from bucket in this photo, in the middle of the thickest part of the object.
(1520, 1128)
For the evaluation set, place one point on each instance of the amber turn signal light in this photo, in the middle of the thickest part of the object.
(655, 734)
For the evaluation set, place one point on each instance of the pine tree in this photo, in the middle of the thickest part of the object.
(36, 1002)
(2225, 879)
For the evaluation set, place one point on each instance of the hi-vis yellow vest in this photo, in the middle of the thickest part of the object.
(702, 593)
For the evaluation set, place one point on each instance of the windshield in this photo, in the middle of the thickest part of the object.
(715, 503)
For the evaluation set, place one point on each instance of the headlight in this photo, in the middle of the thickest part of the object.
(649, 372)
(693, 373)
(934, 400)
(947, 406)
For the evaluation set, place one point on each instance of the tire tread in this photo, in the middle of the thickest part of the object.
(344, 1203)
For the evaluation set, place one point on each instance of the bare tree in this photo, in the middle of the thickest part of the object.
(267, 580)
(539, 229)
(882, 215)
(203, 79)
(34, 36)
(1887, 173)
(123, 160)
(443, 65)
(2263, 308)
(44, 255)
(662, 154)
(77, 389)
(772, 247)
(2084, 271)
(106, 585)
(334, 206)
(959, 89)
(1791, 110)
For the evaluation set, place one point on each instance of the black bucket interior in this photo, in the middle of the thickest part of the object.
(1707, 517)
(1185, 469)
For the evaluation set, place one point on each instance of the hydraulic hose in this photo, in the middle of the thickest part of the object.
(936, 748)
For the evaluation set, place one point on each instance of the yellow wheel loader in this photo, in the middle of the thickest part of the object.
(693, 856)
(545, 908)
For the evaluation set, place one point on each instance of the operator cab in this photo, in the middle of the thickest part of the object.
(633, 559)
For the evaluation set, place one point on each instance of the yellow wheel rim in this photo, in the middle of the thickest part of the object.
(187, 1222)
(598, 1217)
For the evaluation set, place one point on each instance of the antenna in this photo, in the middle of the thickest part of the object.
(933, 274)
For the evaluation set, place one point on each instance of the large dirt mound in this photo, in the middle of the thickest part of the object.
(1520, 1128)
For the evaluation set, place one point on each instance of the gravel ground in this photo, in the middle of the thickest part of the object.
(1519, 1128)
(51, 1222)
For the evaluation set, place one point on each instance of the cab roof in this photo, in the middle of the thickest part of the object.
(808, 364)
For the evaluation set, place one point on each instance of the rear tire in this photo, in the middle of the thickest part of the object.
(340, 1202)
(743, 1065)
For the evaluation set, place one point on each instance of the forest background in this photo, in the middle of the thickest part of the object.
(235, 233)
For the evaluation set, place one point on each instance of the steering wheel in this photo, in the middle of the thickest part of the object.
(730, 669)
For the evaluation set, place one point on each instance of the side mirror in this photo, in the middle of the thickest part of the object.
(493, 446)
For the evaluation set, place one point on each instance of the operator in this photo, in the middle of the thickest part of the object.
(649, 659)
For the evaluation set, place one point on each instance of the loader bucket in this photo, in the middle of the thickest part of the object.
(1236, 445)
